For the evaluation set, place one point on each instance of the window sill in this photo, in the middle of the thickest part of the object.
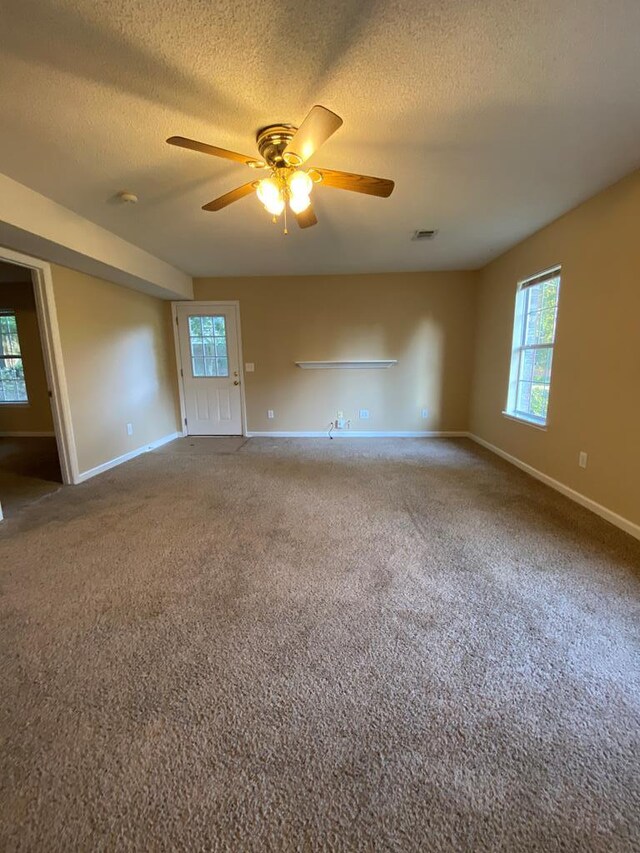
(21, 403)
(522, 420)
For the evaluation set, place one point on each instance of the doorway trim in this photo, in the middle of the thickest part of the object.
(42, 280)
(232, 304)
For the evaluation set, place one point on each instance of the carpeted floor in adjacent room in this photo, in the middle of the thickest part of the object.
(366, 645)
(29, 471)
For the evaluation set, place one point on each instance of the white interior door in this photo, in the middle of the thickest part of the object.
(210, 361)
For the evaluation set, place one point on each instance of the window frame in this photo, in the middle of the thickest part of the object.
(519, 347)
(201, 340)
(10, 312)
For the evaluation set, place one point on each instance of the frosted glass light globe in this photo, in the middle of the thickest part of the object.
(300, 183)
(268, 191)
(275, 206)
(298, 203)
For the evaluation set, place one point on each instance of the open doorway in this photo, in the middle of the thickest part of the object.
(29, 462)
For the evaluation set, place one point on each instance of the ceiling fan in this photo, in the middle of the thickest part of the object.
(284, 148)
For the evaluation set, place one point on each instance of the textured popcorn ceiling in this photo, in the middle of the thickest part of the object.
(492, 117)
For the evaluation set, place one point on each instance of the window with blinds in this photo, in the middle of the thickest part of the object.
(534, 333)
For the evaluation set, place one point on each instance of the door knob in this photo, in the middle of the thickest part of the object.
(236, 382)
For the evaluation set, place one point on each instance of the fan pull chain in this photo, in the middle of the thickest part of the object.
(285, 219)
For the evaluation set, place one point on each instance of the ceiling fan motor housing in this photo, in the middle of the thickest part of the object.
(272, 141)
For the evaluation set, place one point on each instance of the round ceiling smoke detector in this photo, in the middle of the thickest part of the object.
(128, 198)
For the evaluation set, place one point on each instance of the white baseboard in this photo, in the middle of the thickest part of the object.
(25, 434)
(354, 433)
(613, 517)
(126, 457)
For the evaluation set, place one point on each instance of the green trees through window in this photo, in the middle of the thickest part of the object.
(12, 384)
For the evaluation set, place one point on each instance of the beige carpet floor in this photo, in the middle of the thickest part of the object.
(307, 645)
(204, 445)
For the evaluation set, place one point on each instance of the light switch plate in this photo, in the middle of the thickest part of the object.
(249, 367)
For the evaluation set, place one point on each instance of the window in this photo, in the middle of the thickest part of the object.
(208, 341)
(534, 332)
(12, 385)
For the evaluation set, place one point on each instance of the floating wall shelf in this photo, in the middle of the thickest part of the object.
(347, 365)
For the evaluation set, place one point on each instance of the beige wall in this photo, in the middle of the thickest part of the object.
(425, 320)
(36, 415)
(595, 393)
(117, 348)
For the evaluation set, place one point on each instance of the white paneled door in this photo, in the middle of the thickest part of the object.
(210, 362)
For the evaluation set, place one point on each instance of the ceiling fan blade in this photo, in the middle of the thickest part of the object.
(194, 145)
(307, 218)
(317, 127)
(230, 197)
(356, 183)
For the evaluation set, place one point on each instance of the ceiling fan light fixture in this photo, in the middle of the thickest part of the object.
(291, 159)
(274, 206)
(299, 203)
(283, 149)
(300, 184)
(270, 195)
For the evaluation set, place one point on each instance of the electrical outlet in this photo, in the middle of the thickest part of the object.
(129, 429)
(582, 459)
(363, 414)
(340, 415)
(424, 413)
(270, 413)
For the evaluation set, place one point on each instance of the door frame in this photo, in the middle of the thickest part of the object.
(42, 280)
(227, 304)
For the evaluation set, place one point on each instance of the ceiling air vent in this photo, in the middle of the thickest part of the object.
(426, 234)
